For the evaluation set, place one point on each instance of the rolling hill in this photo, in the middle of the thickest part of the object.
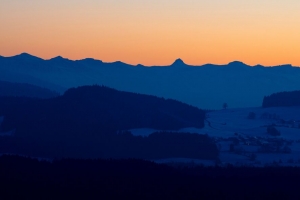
(93, 122)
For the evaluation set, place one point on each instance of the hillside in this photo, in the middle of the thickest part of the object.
(206, 86)
(99, 106)
(25, 90)
(282, 99)
(91, 121)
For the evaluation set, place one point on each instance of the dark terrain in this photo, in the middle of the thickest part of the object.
(282, 99)
(25, 90)
(85, 133)
(93, 122)
(113, 179)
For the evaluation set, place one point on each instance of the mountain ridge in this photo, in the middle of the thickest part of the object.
(25, 90)
(176, 62)
(24, 56)
(207, 86)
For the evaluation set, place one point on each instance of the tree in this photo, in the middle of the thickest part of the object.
(287, 149)
(225, 105)
(251, 115)
(273, 131)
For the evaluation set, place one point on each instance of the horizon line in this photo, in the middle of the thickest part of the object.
(181, 62)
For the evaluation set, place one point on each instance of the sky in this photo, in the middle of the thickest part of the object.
(154, 32)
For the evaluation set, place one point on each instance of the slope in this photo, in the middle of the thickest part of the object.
(91, 121)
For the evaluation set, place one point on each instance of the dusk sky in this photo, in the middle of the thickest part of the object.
(154, 32)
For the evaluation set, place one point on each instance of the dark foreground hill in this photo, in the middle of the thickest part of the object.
(25, 90)
(282, 99)
(25, 178)
(92, 107)
(92, 122)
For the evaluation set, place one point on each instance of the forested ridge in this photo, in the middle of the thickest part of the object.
(93, 122)
(282, 99)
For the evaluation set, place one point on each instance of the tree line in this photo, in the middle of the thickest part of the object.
(282, 99)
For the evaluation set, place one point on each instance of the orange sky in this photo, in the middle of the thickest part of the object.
(154, 32)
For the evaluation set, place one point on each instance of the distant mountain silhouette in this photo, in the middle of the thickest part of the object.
(237, 64)
(96, 119)
(207, 86)
(26, 90)
(282, 99)
(58, 59)
(26, 56)
(90, 61)
(178, 63)
(140, 65)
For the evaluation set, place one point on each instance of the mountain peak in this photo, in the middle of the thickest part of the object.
(120, 63)
(26, 56)
(57, 58)
(90, 61)
(140, 65)
(237, 63)
(178, 62)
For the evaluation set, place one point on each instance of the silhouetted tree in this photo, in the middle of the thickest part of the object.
(251, 115)
(272, 131)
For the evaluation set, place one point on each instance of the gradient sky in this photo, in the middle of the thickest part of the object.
(154, 32)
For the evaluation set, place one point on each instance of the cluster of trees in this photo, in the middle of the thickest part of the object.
(251, 115)
(84, 122)
(115, 179)
(273, 131)
(282, 99)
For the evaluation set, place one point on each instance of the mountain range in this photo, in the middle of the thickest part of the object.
(207, 86)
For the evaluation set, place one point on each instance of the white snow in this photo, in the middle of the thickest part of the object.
(229, 124)
(142, 131)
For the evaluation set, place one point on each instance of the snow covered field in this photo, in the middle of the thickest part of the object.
(244, 141)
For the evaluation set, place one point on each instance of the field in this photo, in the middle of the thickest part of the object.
(242, 138)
